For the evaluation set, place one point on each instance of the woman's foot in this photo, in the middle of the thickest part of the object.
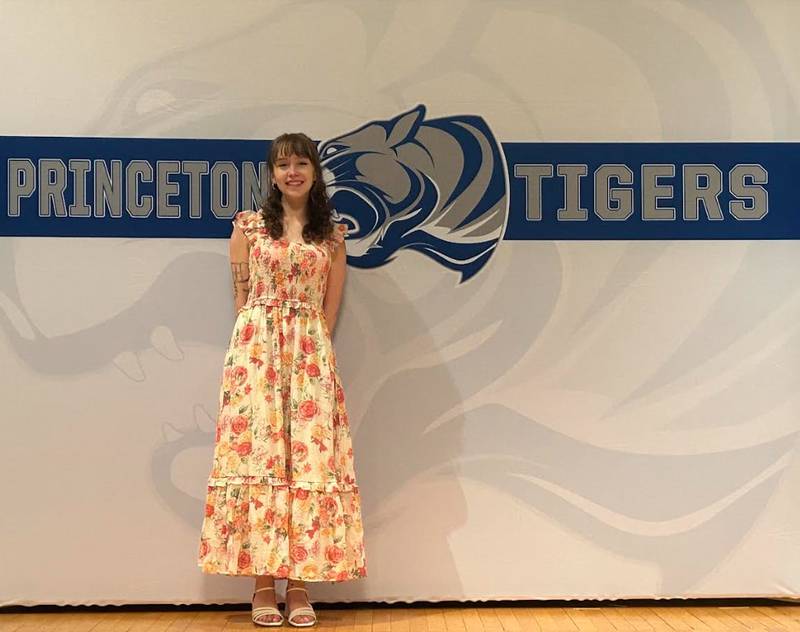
(299, 612)
(265, 606)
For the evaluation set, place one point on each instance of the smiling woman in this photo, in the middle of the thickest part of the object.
(282, 500)
(297, 203)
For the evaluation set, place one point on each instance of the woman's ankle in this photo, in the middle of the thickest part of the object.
(264, 581)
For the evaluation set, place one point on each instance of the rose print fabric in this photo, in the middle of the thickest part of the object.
(282, 497)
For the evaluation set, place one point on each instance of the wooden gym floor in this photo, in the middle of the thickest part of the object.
(761, 616)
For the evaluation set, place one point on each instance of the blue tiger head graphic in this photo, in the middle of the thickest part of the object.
(438, 187)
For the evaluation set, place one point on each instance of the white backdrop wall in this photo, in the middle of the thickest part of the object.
(580, 420)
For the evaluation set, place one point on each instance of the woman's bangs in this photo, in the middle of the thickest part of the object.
(291, 145)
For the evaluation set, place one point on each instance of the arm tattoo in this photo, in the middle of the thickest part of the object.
(241, 278)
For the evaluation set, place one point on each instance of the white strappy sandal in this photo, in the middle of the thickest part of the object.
(266, 611)
(307, 611)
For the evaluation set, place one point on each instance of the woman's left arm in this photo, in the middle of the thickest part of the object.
(333, 291)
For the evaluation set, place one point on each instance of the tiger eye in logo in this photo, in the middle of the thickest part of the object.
(434, 186)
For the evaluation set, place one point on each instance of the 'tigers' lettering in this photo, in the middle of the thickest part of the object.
(615, 199)
(85, 188)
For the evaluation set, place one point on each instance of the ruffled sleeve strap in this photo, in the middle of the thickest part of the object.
(247, 221)
(338, 236)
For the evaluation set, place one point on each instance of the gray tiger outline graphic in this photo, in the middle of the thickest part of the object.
(438, 186)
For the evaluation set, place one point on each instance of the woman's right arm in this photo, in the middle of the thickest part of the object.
(240, 268)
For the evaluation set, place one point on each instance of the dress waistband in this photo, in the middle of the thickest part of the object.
(274, 301)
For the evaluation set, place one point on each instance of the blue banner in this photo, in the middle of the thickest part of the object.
(125, 187)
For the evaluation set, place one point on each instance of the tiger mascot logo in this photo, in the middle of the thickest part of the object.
(437, 186)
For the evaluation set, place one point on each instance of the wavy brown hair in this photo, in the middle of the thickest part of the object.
(320, 224)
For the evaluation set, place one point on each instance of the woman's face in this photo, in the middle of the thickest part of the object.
(294, 176)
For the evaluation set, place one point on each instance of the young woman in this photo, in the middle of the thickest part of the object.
(282, 498)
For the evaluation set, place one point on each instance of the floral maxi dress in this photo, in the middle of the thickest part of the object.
(282, 498)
